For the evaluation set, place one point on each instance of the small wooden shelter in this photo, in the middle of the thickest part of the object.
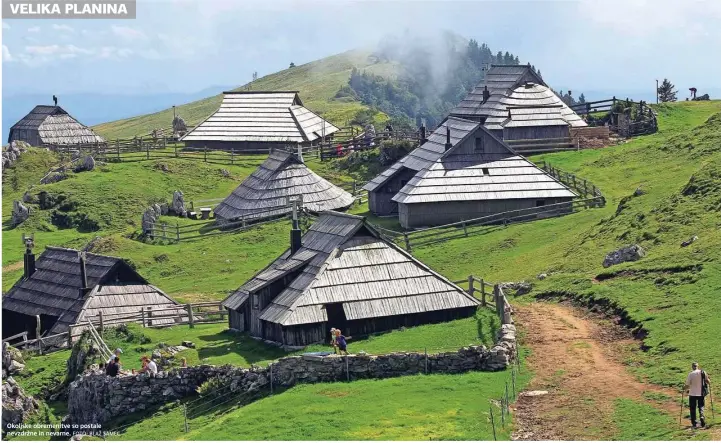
(254, 121)
(51, 125)
(473, 174)
(342, 274)
(64, 287)
(282, 176)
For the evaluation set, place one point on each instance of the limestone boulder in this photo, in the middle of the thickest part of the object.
(20, 213)
(178, 205)
(624, 254)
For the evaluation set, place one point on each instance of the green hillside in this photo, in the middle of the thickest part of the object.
(669, 297)
(317, 82)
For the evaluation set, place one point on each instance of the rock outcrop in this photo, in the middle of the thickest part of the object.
(12, 152)
(624, 254)
(178, 205)
(20, 213)
(16, 405)
(520, 288)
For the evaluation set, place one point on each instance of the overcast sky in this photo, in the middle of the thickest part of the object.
(188, 45)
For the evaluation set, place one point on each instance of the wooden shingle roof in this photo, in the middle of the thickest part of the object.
(500, 80)
(255, 116)
(54, 288)
(56, 126)
(123, 299)
(498, 174)
(534, 104)
(428, 152)
(282, 175)
(343, 260)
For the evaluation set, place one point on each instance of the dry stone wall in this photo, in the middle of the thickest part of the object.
(96, 398)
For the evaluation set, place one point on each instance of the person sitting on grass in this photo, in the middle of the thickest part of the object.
(341, 341)
(149, 366)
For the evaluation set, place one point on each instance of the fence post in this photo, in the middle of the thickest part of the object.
(70, 337)
(185, 417)
(102, 324)
(585, 188)
(465, 231)
(37, 334)
(408, 243)
(205, 153)
(232, 154)
(175, 149)
(354, 187)
(470, 285)
(177, 232)
(147, 148)
(483, 292)
(497, 301)
(150, 316)
(189, 307)
(117, 147)
(493, 422)
(503, 413)
(347, 370)
(271, 378)
(426, 352)
(165, 230)
(142, 316)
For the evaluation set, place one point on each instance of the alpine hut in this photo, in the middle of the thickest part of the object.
(342, 274)
(267, 192)
(47, 126)
(64, 287)
(254, 121)
(507, 87)
(462, 172)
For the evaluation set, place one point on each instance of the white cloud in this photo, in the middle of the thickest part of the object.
(6, 54)
(112, 52)
(64, 28)
(34, 29)
(5, 25)
(127, 33)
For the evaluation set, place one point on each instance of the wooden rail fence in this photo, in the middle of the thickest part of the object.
(646, 122)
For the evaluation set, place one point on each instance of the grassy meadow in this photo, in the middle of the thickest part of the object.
(670, 295)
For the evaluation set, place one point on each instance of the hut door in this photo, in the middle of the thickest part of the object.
(336, 318)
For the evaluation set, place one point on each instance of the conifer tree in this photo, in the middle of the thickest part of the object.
(666, 92)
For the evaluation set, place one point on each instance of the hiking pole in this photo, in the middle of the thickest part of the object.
(680, 415)
(713, 414)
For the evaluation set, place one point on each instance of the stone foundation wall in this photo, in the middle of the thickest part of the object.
(96, 398)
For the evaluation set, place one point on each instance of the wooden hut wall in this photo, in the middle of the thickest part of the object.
(303, 335)
(245, 147)
(264, 297)
(440, 213)
(364, 327)
(535, 132)
(30, 136)
(379, 201)
(236, 319)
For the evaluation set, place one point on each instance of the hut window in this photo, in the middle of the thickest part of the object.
(540, 203)
(486, 171)
(255, 301)
(479, 144)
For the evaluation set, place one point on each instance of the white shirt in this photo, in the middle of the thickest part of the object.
(694, 381)
(152, 368)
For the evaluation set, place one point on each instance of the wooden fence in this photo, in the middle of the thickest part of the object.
(620, 122)
(495, 298)
(589, 197)
(335, 149)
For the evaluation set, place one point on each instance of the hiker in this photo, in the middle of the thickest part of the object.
(333, 341)
(341, 342)
(697, 385)
(113, 368)
(117, 353)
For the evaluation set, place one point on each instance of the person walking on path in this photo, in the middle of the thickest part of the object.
(341, 341)
(697, 385)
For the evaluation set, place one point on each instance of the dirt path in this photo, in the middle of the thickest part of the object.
(577, 361)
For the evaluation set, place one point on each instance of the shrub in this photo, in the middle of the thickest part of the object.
(211, 388)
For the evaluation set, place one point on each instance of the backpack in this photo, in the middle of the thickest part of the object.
(704, 385)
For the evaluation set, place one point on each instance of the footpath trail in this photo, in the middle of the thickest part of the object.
(577, 360)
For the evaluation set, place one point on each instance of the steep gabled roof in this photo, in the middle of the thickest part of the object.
(117, 300)
(282, 175)
(56, 126)
(54, 288)
(535, 105)
(500, 80)
(257, 116)
(430, 151)
(495, 174)
(343, 260)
